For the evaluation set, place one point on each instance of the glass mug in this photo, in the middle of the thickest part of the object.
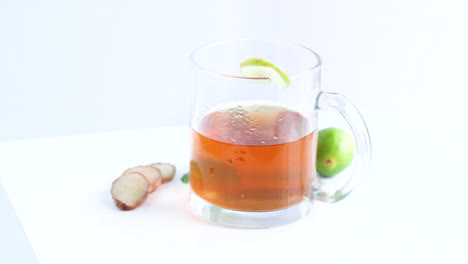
(254, 143)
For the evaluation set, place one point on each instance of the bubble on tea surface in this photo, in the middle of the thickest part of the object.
(254, 125)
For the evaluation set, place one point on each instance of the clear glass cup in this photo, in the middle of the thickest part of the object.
(254, 144)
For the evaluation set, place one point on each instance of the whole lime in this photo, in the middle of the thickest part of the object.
(335, 151)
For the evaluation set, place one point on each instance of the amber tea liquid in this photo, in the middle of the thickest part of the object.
(253, 158)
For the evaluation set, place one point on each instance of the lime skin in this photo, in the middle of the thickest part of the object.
(258, 67)
(335, 151)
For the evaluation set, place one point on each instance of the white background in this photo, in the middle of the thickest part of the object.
(72, 67)
(69, 67)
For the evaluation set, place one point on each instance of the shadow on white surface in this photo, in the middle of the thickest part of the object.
(15, 248)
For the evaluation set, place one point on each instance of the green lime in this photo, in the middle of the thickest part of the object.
(260, 68)
(335, 151)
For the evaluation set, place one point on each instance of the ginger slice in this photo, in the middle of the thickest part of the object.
(130, 190)
(167, 171)
(152, 174)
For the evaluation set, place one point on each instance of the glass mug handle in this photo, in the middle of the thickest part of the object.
(326, 191)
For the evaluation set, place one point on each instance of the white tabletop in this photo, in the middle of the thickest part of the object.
(60, 189)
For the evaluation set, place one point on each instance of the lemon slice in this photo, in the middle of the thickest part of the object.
(260, 68)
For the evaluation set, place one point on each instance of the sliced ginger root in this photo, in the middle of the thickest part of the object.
(152, 174)
(130, 190)
(167, 171)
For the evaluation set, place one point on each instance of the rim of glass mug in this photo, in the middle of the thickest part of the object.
(316, 66)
